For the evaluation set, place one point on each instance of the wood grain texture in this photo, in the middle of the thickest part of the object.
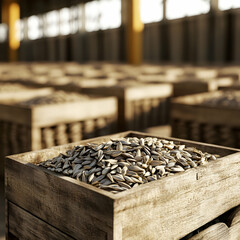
(186, 200)
(214, 124)
(25, 226)
(218, 231)
(235, 231)
(74, 111)
(66, 205)
(190, 108)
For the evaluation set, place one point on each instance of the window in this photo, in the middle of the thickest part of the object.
(64, 18)
(110, 14)
(51, 24)
(34, 26)
(74, 26)
(151, 11)
(92, 16)
(182, 8)
(227, 4)
(3, 32)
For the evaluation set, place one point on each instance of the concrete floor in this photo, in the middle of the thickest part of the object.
(2, 225)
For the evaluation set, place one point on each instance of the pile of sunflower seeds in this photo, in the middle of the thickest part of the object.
(226, 99)
(54, 98)
(122, 164)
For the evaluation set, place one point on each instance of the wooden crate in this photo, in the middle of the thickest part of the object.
(42, 126)
(192, 120)
(40, 202)
(139, 105)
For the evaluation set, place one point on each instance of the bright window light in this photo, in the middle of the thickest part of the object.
(3, 32)
(110, 14)
(51, 28)
(151, 11)
(92, 16)
(74, 26)
(80, 16)
(182, 8)
(35, 30)
(64, 16)
(228, 4)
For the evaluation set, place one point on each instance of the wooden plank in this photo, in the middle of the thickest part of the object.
(73, 111)
(186, 87)
(217, 231)
(6, 219)
(149, 91)
(23, 94)
(19, 115)
(24, 225)
(235, 232)
(67, 205)
(190, 108)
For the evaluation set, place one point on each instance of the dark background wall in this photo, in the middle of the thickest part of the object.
(211, 38)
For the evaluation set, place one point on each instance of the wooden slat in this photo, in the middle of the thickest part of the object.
(235, 232)
(72, 112)
(71, 207)
(205, 114)
(6, 97)
(15, 114)
(24, 225)
(217, 231)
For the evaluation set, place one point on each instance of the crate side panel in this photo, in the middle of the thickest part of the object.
(24, 225)
(72, 208)
(192, 199)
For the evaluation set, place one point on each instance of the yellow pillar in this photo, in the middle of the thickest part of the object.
(134, 32)
(10, 15)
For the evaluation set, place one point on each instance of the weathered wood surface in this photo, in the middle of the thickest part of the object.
(218, 231)
(190, 108)
(24, 94)
(136, 104)
(186, 200)
(191, 119)
(25, 226)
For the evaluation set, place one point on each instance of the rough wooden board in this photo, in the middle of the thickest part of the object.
(24, 225)
(218, 231)
(67, 205)
(136, 92)
(164, 131)
(24, 95)
(73, 111)
(235, 217)
(190, 108)
(15, 114)
(190, 87)
(235, 232)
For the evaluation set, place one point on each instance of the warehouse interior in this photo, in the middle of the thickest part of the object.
(72, 70)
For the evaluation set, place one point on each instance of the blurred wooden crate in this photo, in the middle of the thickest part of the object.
(169, 208)
(185, 85)
(190, 119)
(25, 128)
(139, 105)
